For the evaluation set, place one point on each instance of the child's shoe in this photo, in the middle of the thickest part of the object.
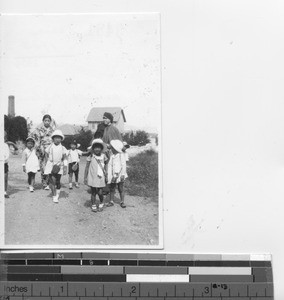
(110, 204)
(101, 206)
(6, 195)
(46, 188)
(70, 186)
(122, 205)
(55, 198)
(31, 189)
(94, 208)
(77, 185)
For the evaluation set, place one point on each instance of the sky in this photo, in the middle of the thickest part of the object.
(66, 64)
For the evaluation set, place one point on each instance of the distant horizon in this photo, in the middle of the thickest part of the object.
(127, 127)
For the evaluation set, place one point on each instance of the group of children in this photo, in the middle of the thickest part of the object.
(105, 168)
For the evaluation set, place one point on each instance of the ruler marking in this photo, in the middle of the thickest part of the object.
(39, 284)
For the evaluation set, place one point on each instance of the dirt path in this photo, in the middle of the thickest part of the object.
(33, 219)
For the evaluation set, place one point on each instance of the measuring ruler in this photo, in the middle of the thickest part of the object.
(138, 276)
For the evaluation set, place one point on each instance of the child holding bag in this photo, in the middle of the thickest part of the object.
(56, 165)
(95, 173)
(30, 162)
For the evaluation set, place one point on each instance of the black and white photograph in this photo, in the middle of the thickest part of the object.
(81, 98)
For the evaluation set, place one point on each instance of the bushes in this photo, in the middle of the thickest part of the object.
(16, 128)
(83, 137)
(143, 173)
(139, 138)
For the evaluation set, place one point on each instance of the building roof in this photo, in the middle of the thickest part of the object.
(68, 129)
(96, 113)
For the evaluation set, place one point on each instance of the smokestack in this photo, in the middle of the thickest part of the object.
(11, 106)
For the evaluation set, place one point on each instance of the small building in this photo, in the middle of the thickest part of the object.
(95, 117)
(69, 130)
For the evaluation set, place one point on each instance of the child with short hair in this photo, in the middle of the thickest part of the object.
(30, 162)
(95, 173)
(56, 165)
(117, 171)
(74, 155)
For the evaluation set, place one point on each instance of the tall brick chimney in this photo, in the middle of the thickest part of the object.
(11, 106)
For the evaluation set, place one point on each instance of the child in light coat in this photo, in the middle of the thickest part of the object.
(117, 171)
(74, 155)
(30, 162)
(95, 173)
(56, 165)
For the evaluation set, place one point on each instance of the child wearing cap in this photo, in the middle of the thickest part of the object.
(95, 173)
(74, 155)
(56, 165)
(117, 171)
(30, 162)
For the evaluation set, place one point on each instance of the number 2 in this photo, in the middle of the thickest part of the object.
(133, 289)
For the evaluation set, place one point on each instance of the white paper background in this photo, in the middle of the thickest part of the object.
(223, 106)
